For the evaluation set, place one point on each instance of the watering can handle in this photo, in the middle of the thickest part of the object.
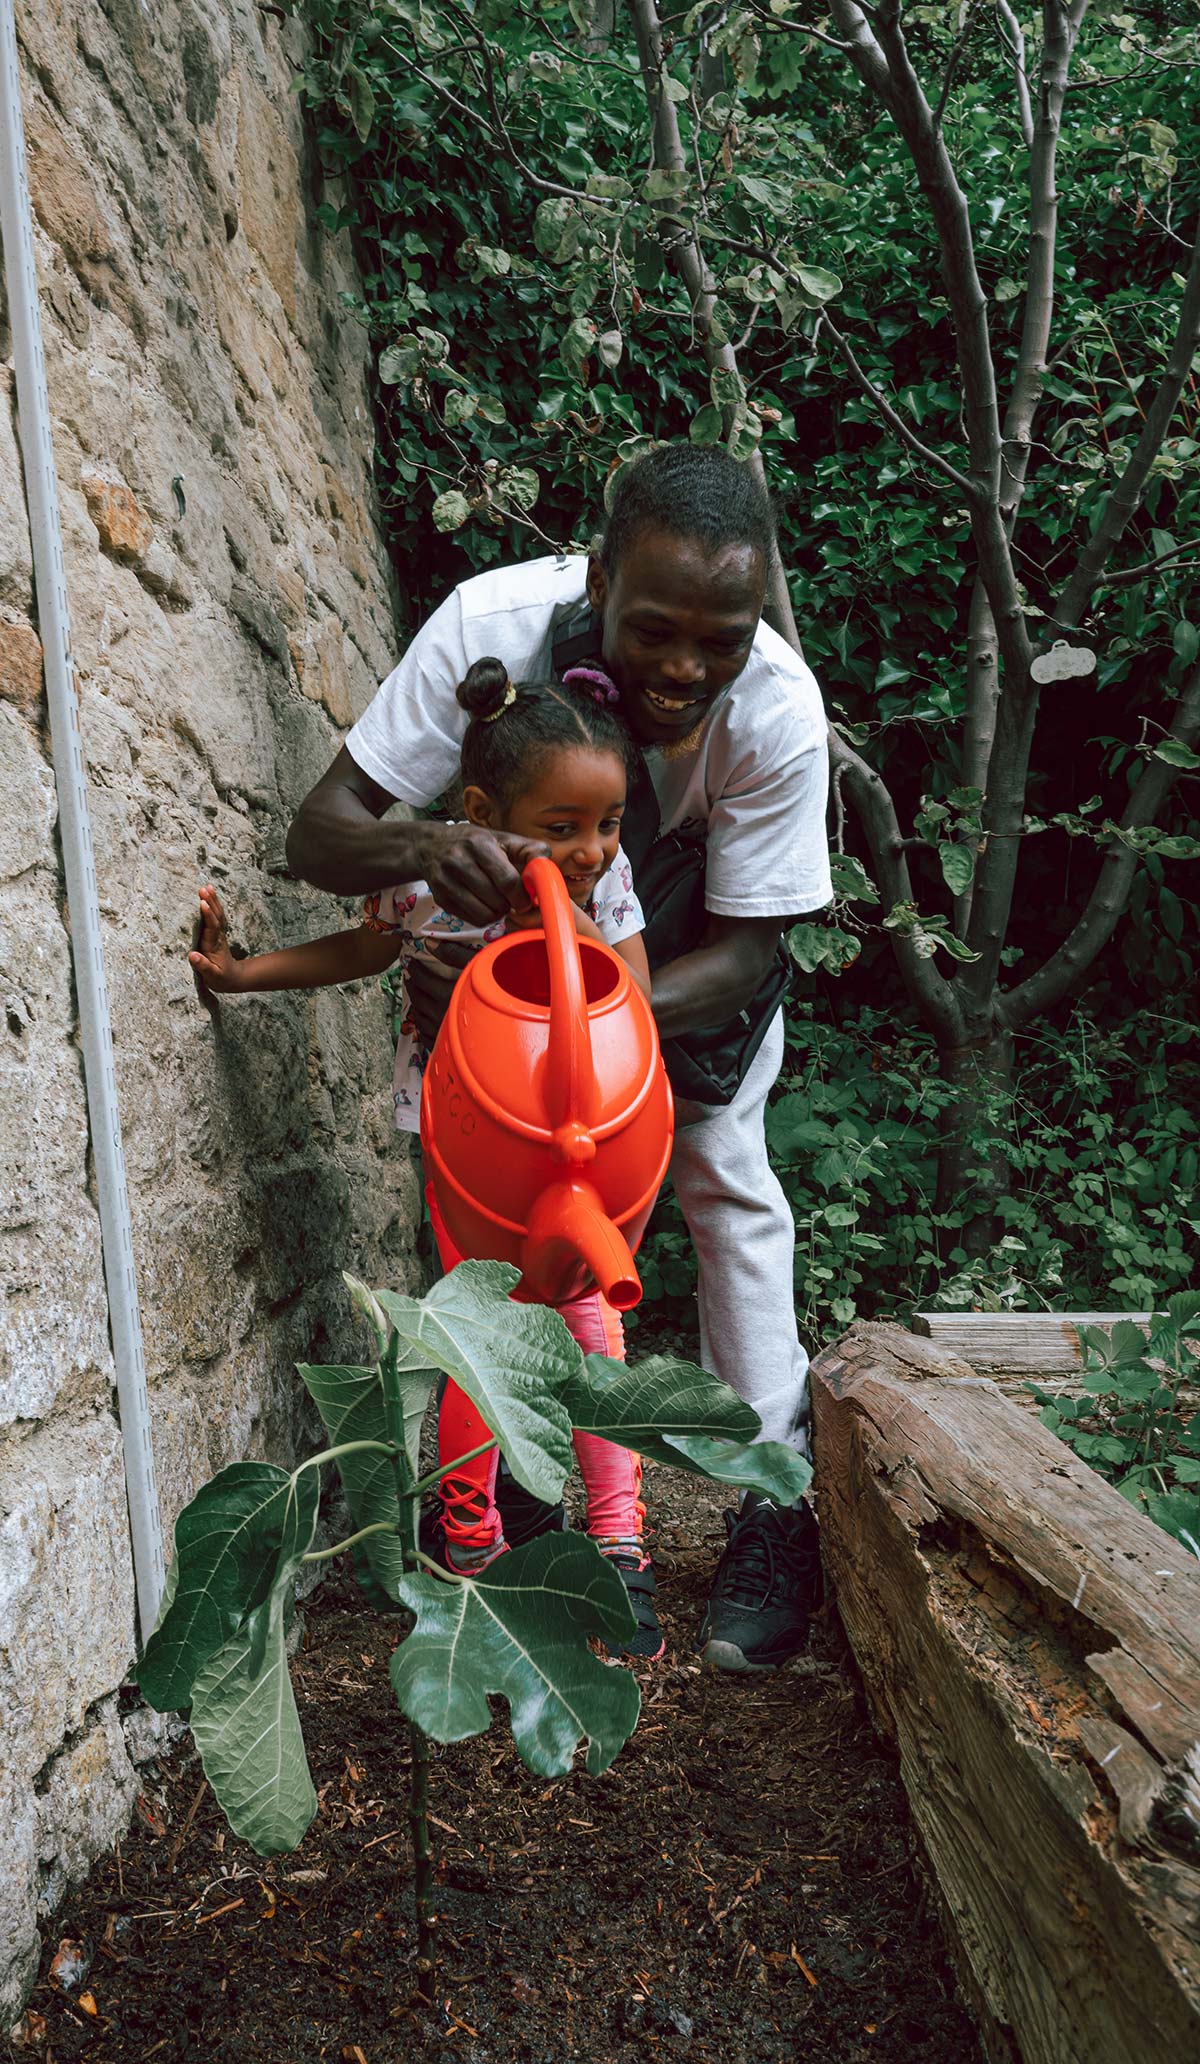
(570, 1077)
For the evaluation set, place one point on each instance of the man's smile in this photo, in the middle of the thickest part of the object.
(670, 703)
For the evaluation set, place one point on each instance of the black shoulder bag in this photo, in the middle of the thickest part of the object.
(710, 1063)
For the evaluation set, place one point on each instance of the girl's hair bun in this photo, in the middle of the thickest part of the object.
(483, 690)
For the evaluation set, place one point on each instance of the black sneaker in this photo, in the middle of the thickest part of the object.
(647, 1641)
(766, 1588)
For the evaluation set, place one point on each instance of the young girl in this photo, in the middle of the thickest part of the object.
(546, 761)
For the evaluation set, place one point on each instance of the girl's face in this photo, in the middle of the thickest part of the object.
(574, 805)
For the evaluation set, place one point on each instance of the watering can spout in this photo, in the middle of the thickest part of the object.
(569, 1231)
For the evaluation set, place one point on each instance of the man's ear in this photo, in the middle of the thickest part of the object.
(480, 808)
(597, 584)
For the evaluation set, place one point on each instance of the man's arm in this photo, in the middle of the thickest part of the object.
(718, 977)
(338, 843)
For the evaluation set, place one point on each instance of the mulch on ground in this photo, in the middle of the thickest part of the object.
(739, 1889)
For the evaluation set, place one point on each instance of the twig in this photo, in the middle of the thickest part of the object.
(1132, 573)
(418, 1814)
(181, 1837)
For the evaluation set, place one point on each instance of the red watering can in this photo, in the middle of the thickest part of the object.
(546, 1112)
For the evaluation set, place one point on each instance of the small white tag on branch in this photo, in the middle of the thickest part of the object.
(1063, 662)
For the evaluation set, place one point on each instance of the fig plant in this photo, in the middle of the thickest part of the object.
(522, 1628)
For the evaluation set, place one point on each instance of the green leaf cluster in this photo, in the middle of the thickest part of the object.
(519, 1630)
(1138, 1420)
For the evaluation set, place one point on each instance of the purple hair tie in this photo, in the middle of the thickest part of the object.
(595, 680)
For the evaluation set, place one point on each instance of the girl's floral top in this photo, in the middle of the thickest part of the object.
(411, 911)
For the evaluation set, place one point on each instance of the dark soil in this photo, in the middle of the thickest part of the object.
(739, 1889)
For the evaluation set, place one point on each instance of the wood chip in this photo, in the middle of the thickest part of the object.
(798, 1959)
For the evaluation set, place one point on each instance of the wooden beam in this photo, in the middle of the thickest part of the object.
(1017, 1343)
(1032, 1644)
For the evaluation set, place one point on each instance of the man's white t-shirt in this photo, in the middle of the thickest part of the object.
(758, 779)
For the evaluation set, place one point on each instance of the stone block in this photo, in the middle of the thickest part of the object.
(21, 678)
(25, 833)
(124, 529)
(20, 1943)
(270, 190)
(160, 571)
(66, 1581)
(16, 559)
(322, 662)
(85, 1799)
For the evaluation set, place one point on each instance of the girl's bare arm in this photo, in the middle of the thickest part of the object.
(339, 957)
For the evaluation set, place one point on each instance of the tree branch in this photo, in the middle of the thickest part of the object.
(1012, 35)
(979, 720)
(890, 414)
(926, 145)
(935, 997)
(1006, 721)
(1061, 972)
(1058, 43)
(693, 267)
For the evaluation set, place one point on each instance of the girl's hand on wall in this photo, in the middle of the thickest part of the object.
(212, 959)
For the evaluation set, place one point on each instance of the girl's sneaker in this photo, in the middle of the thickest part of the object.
(469, 1558)
(647, 1641)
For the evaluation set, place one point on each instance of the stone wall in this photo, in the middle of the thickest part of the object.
(232, 609)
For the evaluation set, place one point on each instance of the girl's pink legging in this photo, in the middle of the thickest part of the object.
(612, 1476)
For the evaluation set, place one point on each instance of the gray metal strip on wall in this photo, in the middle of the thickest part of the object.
(41, 490)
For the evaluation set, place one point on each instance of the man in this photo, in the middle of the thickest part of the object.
(730, 723)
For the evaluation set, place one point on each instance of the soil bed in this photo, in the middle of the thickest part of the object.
(739, 1888)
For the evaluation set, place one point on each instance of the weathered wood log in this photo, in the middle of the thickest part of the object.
(1032, 1644)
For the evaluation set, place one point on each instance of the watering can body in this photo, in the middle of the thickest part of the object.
(546, 1116)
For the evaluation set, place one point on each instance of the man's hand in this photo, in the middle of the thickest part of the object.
(338, 842)
(476, 874)
(212, 960)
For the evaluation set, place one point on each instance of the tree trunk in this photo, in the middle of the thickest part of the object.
(973, 1174)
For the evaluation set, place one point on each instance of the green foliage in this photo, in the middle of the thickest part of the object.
(1098, 1136)
(532, 332)
(521, 289)
(520, 1629)
(1135, 1423)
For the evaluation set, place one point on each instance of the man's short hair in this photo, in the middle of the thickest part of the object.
(690, 491)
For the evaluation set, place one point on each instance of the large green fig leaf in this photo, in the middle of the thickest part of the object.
(767, 1466)
(674, 1412)
(413, 1374)
(521, 1628)
(247, 1730)
(512, 1360)
(350, 1402)
(637, 1404)
(228, 1545)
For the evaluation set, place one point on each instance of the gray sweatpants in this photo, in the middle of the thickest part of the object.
(744, 1238)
